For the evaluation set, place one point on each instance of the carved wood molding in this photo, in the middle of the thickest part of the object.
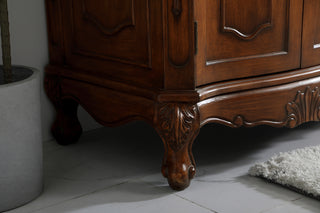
(245, 35)
(240, 121)
(305, 108)
(179, 33)
(177, 123)
(129, 22)
(177, 8)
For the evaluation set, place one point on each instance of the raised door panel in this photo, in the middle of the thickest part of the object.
(114, 37)
(311, 33)
(243, 38)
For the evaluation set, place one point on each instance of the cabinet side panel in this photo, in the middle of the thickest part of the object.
(112, 30)
(114, 39)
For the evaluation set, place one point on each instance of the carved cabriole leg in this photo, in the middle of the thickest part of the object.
(66, 128)
(178, 124)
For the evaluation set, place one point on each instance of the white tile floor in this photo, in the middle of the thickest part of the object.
(118, 170)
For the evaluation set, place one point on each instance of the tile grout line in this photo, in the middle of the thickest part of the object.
(279, 205)
(197, 204)
(78, 196)
(294, 200)
(174, 193)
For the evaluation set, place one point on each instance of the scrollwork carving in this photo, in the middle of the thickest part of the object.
(266, 22)
(305, 107)
(177, 124)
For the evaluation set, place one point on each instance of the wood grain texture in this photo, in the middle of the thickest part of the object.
(130, 52)
(179, 42)
(121, 15)
(272, 44)
(125, 28)
(292, 104)
(311, 34)
(180, 64)
(256, 82)
(178, 125)
(176, 122)
(304, 108)
(243, 24)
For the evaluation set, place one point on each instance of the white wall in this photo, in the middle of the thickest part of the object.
(29, 48)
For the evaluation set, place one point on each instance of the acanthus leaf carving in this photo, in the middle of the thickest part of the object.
(305, 107)
(177, 124)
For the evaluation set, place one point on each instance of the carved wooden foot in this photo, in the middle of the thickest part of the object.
(66, 128)
(178, 125)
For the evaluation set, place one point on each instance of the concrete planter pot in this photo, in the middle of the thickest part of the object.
(20, 139)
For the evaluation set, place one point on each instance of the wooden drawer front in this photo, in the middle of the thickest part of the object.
(311, 33)
(247, 38)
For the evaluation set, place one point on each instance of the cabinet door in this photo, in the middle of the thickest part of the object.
(243, 38)
(114, 37)
(311, 33)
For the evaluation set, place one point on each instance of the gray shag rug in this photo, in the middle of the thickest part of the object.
(298, 170)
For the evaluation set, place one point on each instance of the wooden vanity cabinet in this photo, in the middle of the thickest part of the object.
(180, 64)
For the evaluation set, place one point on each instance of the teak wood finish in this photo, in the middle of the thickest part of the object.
(180, 64)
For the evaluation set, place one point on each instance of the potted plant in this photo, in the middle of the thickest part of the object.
(20, 127)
